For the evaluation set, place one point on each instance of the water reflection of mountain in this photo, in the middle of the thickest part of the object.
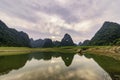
(109, 64)
(8, 63)
(67, 58)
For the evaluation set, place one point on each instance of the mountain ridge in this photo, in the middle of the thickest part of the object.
(107, 34)
(12, 37)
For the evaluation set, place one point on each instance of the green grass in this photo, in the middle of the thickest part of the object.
(25, 50)
(101, 50)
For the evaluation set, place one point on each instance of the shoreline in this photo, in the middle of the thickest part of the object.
(111, 51)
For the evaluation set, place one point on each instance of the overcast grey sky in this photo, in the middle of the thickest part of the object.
(53, 18)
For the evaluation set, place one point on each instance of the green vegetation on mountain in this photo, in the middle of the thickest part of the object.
(67, 40)
(109, 34)
(11, 37)
(117, 42)
(85, 43)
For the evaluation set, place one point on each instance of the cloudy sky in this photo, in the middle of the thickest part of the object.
(53, 18)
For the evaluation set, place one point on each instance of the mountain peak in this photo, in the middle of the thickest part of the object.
(2, 24)
(66, 34)
(12, 37)
(109, 24)
(67, 40)
(108, 33)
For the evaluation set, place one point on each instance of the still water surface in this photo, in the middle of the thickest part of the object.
(50, 66)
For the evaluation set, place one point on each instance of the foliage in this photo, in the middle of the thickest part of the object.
(117, 42)
(67, 40)
(48, 43)
(107, 34)
(85, 43)
(11, 37)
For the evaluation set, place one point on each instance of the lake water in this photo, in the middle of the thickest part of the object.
(50, 66)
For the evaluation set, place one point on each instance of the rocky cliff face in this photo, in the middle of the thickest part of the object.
(11, 37)
(67, 41)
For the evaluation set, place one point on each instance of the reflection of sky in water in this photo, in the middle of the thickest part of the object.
(55, 69)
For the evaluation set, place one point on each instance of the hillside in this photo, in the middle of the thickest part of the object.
(67, 40)
(11, 37)
(109, 34)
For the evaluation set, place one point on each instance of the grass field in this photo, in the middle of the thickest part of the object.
(25, 50)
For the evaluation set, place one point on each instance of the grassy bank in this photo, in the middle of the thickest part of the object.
(25, 50)
(111, 51)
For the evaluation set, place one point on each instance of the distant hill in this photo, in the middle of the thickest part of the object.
(42, 43)
(56, 43)
(67, 40)
(85, 43)
(48, 43)
(109, 34)
(36, 43)
(11, 37)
